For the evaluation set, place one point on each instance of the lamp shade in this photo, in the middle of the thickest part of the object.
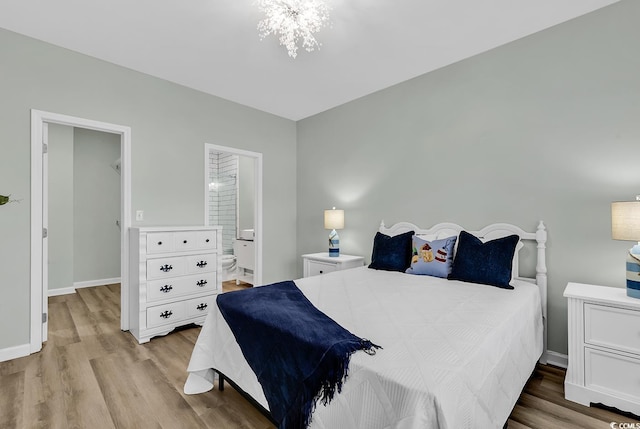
(334, 219)
(625, 220)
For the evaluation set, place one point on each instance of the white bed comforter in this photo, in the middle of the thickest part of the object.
(456, 355)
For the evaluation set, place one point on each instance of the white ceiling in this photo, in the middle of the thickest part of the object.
(213, 45)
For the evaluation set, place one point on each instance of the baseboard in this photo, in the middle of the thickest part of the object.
(14, 352)
(91, 283)
(78, 285)
(61, 291)
(557, 359)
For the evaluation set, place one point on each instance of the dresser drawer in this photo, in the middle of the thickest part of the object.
(201, 263)
(200, 306)
(611, 327)
(180, 241)
(317, 268)
(165, 314)
(206, 240)
(184, 241)
(166, 267)
(160, 242)
(204, 282)
(612, 373)
(176, 287)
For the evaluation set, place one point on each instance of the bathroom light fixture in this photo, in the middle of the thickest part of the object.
(293, 21)
(625, 225)
(334, 219)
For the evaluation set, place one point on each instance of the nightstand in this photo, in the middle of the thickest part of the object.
(321, 263)
(604, 347)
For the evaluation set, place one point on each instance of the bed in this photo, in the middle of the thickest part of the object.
(455, 354)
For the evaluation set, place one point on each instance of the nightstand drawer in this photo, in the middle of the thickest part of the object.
(321, 263)
(316, 268)
(611, 327)
(612, 373)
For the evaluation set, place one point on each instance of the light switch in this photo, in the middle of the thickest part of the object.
(140, 215)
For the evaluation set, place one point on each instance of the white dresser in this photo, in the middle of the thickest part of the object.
(321, 263)
(173, 277)
(604, 347)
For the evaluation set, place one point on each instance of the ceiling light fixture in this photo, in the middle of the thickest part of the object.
(293, 21)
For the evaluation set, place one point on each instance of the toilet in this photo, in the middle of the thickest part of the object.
(228, 267)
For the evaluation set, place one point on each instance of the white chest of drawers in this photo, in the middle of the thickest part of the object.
(604, 347)
(173, 278)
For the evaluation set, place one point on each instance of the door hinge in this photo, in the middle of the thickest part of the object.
(45, 148)
(45, 232)
(44, 317)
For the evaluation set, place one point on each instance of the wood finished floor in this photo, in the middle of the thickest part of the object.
(90, 374)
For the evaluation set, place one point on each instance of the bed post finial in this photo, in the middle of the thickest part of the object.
(541, 238)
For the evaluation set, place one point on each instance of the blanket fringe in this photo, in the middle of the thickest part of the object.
(335, 375)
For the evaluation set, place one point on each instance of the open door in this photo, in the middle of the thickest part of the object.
(40, 221)
(45, 230)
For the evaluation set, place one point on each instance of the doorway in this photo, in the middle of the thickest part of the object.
(234, 177)
(39, 215)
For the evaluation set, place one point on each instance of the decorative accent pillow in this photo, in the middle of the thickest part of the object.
(432, 257)
(487, 263)
(391, 253)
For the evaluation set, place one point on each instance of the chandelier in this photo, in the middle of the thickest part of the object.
(293, 21)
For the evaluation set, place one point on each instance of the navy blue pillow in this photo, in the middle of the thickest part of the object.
(488, 263)
(391, 253)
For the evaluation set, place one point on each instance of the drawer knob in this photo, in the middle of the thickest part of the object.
(159, 243)
(202, 306)
(321, 272)
(166, 288)
(166, 314)
(201, 264)
(166, 268)
(206, 241)
(201, 283)
(185, 241)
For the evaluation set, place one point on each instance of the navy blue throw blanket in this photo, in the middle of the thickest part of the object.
(298, 353)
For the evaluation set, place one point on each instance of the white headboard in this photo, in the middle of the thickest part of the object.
(491, 232)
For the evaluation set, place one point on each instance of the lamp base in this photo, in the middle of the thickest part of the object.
(334, 244)
(633, 272)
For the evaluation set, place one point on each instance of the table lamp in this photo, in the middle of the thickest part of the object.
(334, 219)
(625, 225)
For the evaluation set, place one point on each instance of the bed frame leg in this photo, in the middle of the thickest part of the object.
(220, 381)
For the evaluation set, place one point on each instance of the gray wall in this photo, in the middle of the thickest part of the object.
(96, 206)
(170, 125)
(544, 128)
(60, 242)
